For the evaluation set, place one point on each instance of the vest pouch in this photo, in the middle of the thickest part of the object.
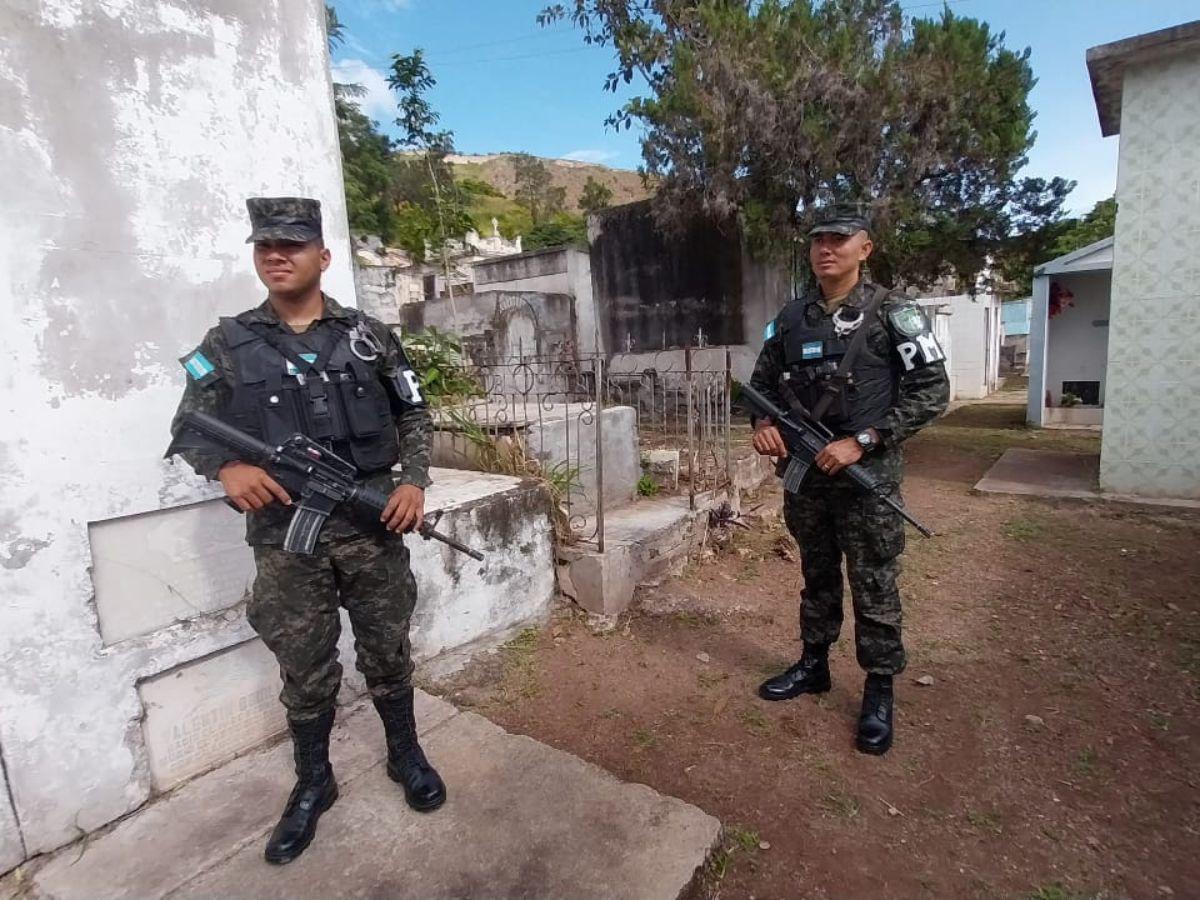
(279, 414)
(366, 408)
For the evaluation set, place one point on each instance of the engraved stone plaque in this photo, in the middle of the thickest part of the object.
(158, 568)
(206, 712)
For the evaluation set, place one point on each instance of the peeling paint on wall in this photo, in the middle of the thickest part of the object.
(138, 128)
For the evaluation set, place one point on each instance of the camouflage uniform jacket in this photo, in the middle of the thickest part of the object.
(414, 426)
(923, 391)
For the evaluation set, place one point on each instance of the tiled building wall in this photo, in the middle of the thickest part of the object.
(1152, 418)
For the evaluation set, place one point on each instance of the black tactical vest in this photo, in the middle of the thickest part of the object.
(346, 407)
(812, 351)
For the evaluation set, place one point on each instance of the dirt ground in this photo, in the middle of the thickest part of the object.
(1054, 755)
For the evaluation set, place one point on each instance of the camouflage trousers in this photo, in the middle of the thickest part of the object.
(831, 519)
(295, 610)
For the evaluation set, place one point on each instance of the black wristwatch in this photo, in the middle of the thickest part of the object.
(866, 440)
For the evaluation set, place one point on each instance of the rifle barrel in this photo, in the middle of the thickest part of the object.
(428, 532)
(908, 517)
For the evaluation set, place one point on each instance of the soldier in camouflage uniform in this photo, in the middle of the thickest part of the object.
(301, 362)
(894, 385)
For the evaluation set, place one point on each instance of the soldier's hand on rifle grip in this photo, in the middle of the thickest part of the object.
(405, 509)
(250, 487)
(768, 441)
(837, 455)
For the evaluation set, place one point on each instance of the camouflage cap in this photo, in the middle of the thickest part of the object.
(843, 218)
(284, 219)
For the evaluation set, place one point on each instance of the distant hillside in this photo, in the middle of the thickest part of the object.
(497, 170)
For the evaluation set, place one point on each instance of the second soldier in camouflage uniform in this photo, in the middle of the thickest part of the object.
(894, 385)
(302, 362)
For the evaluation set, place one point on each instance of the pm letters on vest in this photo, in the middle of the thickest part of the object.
(926, 345)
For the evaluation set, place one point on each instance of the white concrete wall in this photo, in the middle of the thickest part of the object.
(564, 271)
(941, 330)
(566, 436)
(382, 290)
(1151, 442)
(587, 323)
(132, 131)
(975, 337)
(1035, 411)
(1077, 338)
(12, 848)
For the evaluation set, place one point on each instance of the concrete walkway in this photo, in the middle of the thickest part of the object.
(522, 820)
(1051, 473)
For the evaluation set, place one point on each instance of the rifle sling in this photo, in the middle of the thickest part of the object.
(840, 378)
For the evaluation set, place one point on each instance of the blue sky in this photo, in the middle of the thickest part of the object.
(505, 84)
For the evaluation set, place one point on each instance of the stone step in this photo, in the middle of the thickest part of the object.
(646, 541)
(522, 820)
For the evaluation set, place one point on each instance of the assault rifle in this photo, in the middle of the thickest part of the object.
(805, 438)
(320, 478)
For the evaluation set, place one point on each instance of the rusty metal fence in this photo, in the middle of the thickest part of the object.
(679, 407)
(544, 416)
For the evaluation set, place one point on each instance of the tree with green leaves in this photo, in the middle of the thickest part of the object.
(535, 188)
(1096, 225)
(446, 214)
(563, 230)
(757, 111)
(596, 196)
(368, 174)
(1016, 261)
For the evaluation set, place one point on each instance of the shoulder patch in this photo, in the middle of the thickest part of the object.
(908, 320)
(199, 368)
(770, 331)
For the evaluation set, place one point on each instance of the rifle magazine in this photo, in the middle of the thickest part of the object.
(793, 475)
(303, 530)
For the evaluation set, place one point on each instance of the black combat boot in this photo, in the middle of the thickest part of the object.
(407, 765)
(809, 676)
(315, 790)
(875, 720)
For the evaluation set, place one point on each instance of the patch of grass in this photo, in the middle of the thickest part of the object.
(840, 803)
(985, 820)
(755, 721)
(718, 865)
(742, 838)
(694, 620)
(520, 664)
(988, 429)
(1023, 529)
(1056, 891)
(708, 678)
(1159, 720)
(645, 739)
(647, 486)
(1084, 764)
(747, 572)
(736, 839)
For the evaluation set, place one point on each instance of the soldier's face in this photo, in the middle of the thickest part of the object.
(835, 256)
(290, 267)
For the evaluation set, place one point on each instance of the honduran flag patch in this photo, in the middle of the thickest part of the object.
(199, 368)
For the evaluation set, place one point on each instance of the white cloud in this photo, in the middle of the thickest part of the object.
(591, 156)
(378, 102)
